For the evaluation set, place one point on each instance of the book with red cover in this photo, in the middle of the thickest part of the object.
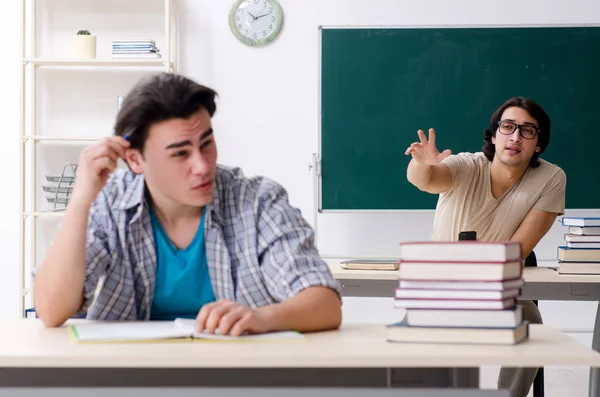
(460, 251)
(462, 285)
(449, 304)
(460, 271)
(402, 293)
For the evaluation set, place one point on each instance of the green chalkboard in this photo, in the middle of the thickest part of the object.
(380, 85)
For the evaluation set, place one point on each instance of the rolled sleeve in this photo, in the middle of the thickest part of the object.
(554, 194)
(290, 261)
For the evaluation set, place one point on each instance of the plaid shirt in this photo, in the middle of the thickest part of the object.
(260, 250)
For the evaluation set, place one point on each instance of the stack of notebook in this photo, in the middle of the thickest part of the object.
(460, 292)
(135, 49)
(581, 254)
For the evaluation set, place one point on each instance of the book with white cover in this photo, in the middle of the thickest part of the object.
(583, 245)
(582, 238)
(584, 231)
(582, 221)
(460, 251)
(402, 332)
(465, 318)
(592, 268)
(566, 254)
(473, 271)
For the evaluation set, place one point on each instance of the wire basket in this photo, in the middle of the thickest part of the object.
(60, 187)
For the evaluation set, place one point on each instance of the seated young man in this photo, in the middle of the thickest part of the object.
(504, 193)
(177, 235)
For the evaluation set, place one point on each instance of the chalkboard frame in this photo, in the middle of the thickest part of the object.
(316, 164)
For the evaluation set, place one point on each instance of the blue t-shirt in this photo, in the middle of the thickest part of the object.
(182, 280)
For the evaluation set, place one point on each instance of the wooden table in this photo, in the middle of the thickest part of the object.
(356, 355)
(541, 283)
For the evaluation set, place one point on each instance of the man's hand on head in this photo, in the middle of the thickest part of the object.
(231, 318)
(96, 163)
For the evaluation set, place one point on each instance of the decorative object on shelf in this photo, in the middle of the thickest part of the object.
(83, 45)
(61, 187)
(256, 22)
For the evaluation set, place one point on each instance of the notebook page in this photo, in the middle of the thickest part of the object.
(188, 326)
(129, 331)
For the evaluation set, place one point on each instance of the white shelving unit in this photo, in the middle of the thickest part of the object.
(53, 82)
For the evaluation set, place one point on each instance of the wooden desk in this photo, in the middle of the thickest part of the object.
(357, 355)
(27, 344)
(541, 283)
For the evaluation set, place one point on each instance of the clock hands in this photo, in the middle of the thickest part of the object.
(263, 15)
(253, 17)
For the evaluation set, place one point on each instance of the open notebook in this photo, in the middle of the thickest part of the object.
(174, 331)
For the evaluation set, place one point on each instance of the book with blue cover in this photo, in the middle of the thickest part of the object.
(581, 221)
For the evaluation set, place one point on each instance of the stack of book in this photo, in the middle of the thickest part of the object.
(581, 254)
(460, 292)
(135, 49)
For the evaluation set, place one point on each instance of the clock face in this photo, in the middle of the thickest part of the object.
(256, 22)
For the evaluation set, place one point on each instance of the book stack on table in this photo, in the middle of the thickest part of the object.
(460, 292)
(581, 254)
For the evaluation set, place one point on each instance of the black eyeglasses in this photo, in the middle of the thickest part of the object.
(528, 131)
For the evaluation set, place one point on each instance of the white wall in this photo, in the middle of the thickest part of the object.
(267, 121)
(9, 157)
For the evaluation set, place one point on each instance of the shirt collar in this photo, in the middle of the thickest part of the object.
(133, 194)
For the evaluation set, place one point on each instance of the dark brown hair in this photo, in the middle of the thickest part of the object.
(160, 97)
(535, 111)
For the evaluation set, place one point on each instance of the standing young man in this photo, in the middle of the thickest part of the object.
(177, 235)
(504, 193)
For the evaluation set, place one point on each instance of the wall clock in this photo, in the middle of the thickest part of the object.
(255, 22)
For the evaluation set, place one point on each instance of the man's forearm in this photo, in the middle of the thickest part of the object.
(314, 309)
(419, 174)
(58, 287)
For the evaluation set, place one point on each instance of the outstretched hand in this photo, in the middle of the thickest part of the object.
(424, 152)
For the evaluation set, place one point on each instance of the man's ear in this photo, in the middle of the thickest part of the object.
(134, 160)
(537, 149)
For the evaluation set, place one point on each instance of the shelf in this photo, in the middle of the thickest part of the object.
(48, 214)
(41, 151)
(61, 138)
(96, 62)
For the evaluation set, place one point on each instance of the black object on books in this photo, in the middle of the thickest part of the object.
(470, 235)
